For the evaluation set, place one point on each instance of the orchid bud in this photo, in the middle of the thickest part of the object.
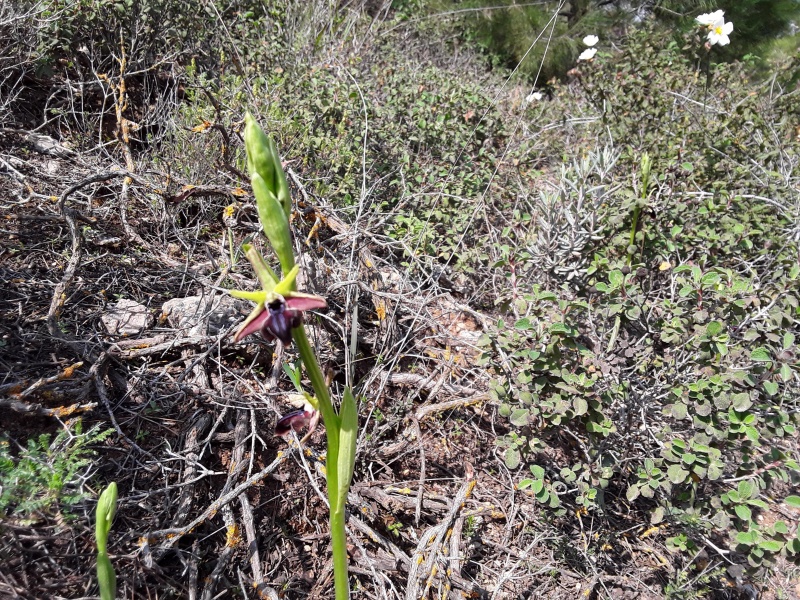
(104, 515)
(263, 158)
(274, 221)
(259, 152)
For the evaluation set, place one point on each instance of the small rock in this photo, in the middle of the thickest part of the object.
(126, 317)
(200, 315)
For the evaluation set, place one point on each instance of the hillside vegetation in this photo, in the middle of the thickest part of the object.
(566, 293)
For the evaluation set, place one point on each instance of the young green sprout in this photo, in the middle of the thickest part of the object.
(104, 516)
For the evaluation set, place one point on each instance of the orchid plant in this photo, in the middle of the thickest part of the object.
(278, 315)
(104, 516)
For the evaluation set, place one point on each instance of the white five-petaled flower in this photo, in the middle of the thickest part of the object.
(710, 19)
(591, 40)
(718, 29)
(588, 54)
(719, 33)
(533, 97)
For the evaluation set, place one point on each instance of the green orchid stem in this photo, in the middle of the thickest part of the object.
(636, 212)
(332, 425)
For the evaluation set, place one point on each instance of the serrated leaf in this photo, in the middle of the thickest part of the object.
(580, 406)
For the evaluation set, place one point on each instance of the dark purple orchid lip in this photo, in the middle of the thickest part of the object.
(280, 322)
(294, 420)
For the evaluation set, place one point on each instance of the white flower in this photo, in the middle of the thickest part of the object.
(588, 54)
(719, 33)
(534, 97)
(591, 40)
(709, 19)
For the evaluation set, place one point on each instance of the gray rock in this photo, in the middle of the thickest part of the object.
(126, 317)
(201, 315)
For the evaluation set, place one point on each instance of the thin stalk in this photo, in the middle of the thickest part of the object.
(636, 212)
(331, 420)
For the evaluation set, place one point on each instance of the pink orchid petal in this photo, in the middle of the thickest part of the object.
(301, 302)
(253, 326)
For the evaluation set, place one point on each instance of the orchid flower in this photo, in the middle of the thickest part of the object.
(279, 309)
(306, 416)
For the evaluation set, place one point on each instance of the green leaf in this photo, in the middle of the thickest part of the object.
(104, 515)
(519, 417)
(746, 537)
(714, 328)
(512, 458)
(793, 501)
(632, 493)
(523, 324)
(580, 406)
(348, 436)
(742, 401)
(760, 355)
(788, 340)
(743, 512)
(677, 474)
(771, 387)
(747, 489)
(537, 471)
(560, 328)
(106, 577)
(780, 527)
(771, 546)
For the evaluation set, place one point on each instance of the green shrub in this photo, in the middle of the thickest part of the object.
(47, 475)
(669, 387)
